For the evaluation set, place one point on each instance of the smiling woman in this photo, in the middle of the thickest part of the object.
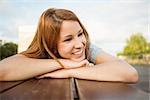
(61, 49)
(72, 42)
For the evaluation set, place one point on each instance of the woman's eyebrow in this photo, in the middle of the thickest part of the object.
(67, 36)
(71, 35)
(80, 30)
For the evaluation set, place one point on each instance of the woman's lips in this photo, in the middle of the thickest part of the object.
(78, 53)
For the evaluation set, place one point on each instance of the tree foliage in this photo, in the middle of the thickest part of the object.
(8, 49)
(136, 46)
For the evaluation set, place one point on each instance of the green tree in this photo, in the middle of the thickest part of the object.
(136, 46)
(8, 49)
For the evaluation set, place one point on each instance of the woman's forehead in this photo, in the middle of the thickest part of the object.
(70, 27)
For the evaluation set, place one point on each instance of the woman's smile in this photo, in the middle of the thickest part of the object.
(78, 53)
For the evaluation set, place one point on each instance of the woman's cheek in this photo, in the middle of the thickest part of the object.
(64, 52)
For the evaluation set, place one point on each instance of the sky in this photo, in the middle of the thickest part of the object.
(108, 22)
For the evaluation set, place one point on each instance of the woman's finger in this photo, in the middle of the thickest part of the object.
(42, 76)
(39, 77)
(91, 64)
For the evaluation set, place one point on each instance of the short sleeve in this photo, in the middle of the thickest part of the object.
(94, 51)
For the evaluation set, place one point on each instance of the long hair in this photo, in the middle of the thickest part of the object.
(44, 44)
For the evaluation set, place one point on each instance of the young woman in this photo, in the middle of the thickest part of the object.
(61, 49)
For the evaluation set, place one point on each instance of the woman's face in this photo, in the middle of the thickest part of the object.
(72, 41)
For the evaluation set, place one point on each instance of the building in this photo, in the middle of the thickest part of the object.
(26, 34)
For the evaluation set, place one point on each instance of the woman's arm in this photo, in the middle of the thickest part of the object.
(109, 71)
(20, 67)
(107, 68)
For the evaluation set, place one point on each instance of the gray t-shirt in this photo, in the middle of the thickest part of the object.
(94, 51)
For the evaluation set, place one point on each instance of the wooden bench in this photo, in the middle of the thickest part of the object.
(43, 89)
(92, 90)
(68, 89)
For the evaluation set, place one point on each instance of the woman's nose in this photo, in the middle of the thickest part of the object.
(78, 43)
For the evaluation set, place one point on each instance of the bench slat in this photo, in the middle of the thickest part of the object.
(43, 89)
(93, 90)
(4, 86)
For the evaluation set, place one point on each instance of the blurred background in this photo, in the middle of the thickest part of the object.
(119, 27)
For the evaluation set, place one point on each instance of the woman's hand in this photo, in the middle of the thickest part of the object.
(63, 73)
(69, 64)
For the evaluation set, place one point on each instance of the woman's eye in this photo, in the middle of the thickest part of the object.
(80, 34)
(67, 40)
